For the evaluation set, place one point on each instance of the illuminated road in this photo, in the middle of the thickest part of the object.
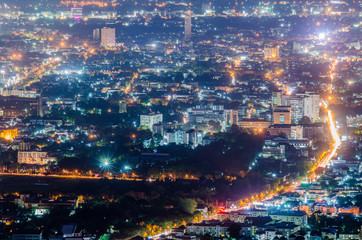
(71, 176)
(336, 141)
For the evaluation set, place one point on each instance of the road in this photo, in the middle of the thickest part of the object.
(72, 176)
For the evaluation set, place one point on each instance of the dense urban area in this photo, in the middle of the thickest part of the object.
(180, 120)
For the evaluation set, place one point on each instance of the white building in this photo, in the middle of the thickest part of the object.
(193, 137)
(151, 119)
(77, 13)
(108, 37)
(39, 158)
(212, 228)
(297, 217)
(297, 108)
(19, 93)
(302, 104)
(173, 136)
(311, 106)
(96, 34)
(188, 26)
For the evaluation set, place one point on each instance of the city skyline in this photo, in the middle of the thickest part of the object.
(180, 120)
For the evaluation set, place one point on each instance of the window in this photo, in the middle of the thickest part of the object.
(281, 118)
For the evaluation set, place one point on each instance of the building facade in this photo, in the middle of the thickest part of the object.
(33, 157)
(108, 37)
(151, 119)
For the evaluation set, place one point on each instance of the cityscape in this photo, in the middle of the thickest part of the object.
(180, 120)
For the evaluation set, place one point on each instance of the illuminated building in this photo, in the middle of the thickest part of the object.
(297, 217)
(271, 53)
(231, 116)
(19, 93)
(351, 209)
(9, 133)
(13, 107)
(354, 121)
(311, 106)
(214, 228)
(151, 119)
(301, 104)
(32, 157)
(108, 37)
(122, 107)
(282, 115)
(294, 132)
(174, 136)
(27, 235)
(96, 34)
(77, 13)
(188, 26)
(349, 236)
(297, 108)
(24, 146)
(192, 137)
(253, 124)
(277, 99)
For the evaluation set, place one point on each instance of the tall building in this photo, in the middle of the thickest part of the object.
(231, 116)
(192, 137)
(282, 115)
(296, 104)
(151, 119)
(108, 37)
(271, 53)
(277, 99)
(301, 104)
(311, 106)
(77, 13)
(96, 34)
(188, 26)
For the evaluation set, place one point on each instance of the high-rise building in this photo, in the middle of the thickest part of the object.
(231, 116)
(96, 34)
(188, 26)
(77, 13)
(311, 106)
(301, 104)
(271, 53)
(282, 115)
(296, 104)
(277, 99)
(108, 37)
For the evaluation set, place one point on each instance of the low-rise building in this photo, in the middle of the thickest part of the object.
(213, 228)
(34, 157)
(297, 217)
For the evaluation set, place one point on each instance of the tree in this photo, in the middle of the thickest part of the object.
(214, 126)
(305, 120)
(187, 205)
(234, 230)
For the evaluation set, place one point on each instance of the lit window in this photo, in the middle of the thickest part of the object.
(281, 118)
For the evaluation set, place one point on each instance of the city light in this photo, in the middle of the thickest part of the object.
(174, 120)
